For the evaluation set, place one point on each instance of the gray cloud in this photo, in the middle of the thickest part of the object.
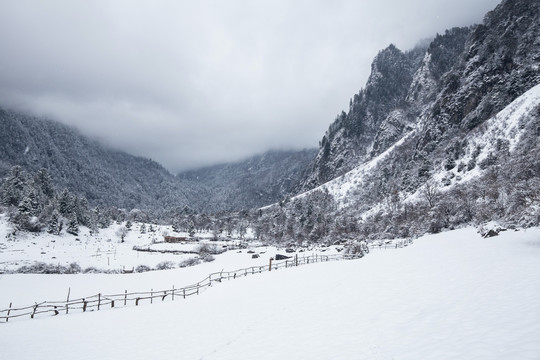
(192, 83)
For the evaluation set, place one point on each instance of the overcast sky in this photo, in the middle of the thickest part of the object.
(194, 83)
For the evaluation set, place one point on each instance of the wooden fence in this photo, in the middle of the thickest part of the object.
(104, 301)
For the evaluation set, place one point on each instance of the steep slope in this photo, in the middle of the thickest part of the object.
(399, 87)
(262, 179)
(103, 176)
(463, 78)
(471, 154)
(499, 63)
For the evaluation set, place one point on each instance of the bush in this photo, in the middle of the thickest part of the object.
(142, 268)
(207, 257)
(165, 265)
(190, 262)
(91, 270)
(354, 248)
(207, 249)
(44, 268)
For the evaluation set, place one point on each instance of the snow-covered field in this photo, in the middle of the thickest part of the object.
(103, 251)
(453, 295)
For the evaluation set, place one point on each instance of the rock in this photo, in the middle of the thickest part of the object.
(490, 229)
(255, 256)
(281, 257)
(289, 250)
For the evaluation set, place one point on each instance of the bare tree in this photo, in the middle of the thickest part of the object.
(430, 193)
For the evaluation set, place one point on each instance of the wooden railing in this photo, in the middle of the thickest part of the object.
(106, 301)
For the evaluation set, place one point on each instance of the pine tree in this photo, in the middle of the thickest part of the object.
(14, 186)
(55, 223)
(65, 203)
(73, 225)
(43, 182)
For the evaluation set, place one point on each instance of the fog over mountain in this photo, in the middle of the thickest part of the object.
(191, 84)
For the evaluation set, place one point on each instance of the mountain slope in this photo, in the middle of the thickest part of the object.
(103, 176)
(113, 178)
(247, 184)
(464, 77)
(462, 147)
(400, 85)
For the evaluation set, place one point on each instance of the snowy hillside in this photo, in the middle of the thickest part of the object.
(508, 127)
(449, 296)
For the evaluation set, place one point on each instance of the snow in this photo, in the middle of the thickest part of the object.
(453, 295)
(342, 185)
(505, 125)
(103, 251)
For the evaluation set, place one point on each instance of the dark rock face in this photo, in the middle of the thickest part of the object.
(463, 77)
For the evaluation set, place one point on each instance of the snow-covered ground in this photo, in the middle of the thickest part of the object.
(453, 295)
(103, 251)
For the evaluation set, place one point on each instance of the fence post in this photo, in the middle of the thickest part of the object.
(98, 301)
(125, 297)
(270, 266)
(7, 316)
(67, 301)
(151, 296)
(184, 293)
(35, 308)
(84, 305)
(172, 296)
(296, 259)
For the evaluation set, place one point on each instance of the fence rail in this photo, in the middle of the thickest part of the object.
(102, 301)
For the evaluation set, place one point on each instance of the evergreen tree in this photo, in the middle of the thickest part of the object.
(73, 225)
(55, 223)
(43, 182)
(65, 203)
(13, 187)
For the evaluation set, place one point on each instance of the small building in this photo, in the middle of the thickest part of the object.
(175, 239)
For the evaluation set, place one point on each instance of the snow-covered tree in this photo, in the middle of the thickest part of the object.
(55, 223)
(73, 225)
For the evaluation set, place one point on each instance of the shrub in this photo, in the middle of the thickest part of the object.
(142, 268)
(190, 262)
(44, 268)
(205, 249)
(207, 257)
(165, 265)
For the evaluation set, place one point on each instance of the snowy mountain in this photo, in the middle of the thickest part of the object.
(432, 124)
(259, 180)
(463, 78)
(107, 177)
(434, 141)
